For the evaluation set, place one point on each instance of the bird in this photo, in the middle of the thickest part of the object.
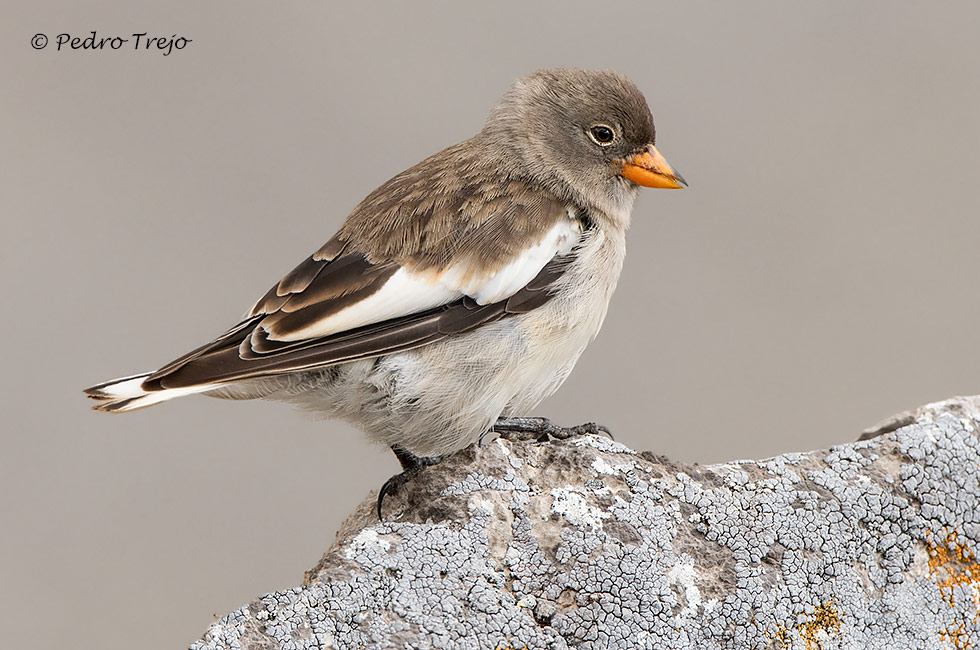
(457, 295)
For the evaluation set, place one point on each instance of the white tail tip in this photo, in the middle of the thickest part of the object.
(126, 394)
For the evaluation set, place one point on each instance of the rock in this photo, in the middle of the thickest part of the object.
(585, 543)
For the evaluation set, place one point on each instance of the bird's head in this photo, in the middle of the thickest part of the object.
(585, 134)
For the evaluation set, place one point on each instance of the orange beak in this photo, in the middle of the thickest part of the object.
(651, 170)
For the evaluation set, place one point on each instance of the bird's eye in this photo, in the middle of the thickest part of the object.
(602, 135)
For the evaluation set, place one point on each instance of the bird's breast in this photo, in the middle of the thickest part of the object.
(580, 298)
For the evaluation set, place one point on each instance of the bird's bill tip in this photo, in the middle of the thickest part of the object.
(650, 169)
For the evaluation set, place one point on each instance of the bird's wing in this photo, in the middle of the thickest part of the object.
(343, 303)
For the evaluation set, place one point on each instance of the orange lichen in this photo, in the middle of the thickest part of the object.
(957, 637)
(778, 638)
(824, 619)
(952, 563)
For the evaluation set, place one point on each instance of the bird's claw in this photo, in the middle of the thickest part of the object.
(543, 430)
(411, 465)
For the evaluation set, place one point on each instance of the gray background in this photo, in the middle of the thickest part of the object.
(818, 275)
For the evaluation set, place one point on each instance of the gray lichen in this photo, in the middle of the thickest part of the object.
(588, 544)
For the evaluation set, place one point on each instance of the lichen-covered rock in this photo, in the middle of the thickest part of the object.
(588, 544)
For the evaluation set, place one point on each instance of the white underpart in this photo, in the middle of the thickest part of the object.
(408, 292)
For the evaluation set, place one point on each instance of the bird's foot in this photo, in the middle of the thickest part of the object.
(411, 465)
(542, 429)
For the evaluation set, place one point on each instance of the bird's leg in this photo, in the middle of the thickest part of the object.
(411, 465)
(542, 430)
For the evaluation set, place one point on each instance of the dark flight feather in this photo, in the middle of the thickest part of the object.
(250, 354)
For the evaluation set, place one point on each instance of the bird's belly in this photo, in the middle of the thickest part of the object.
(451, 392)
(439, 398)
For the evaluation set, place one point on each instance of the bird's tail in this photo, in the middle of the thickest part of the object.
(127, 394)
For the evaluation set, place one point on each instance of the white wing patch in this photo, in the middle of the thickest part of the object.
(408, 292)
(486, 288)
(404, 293)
